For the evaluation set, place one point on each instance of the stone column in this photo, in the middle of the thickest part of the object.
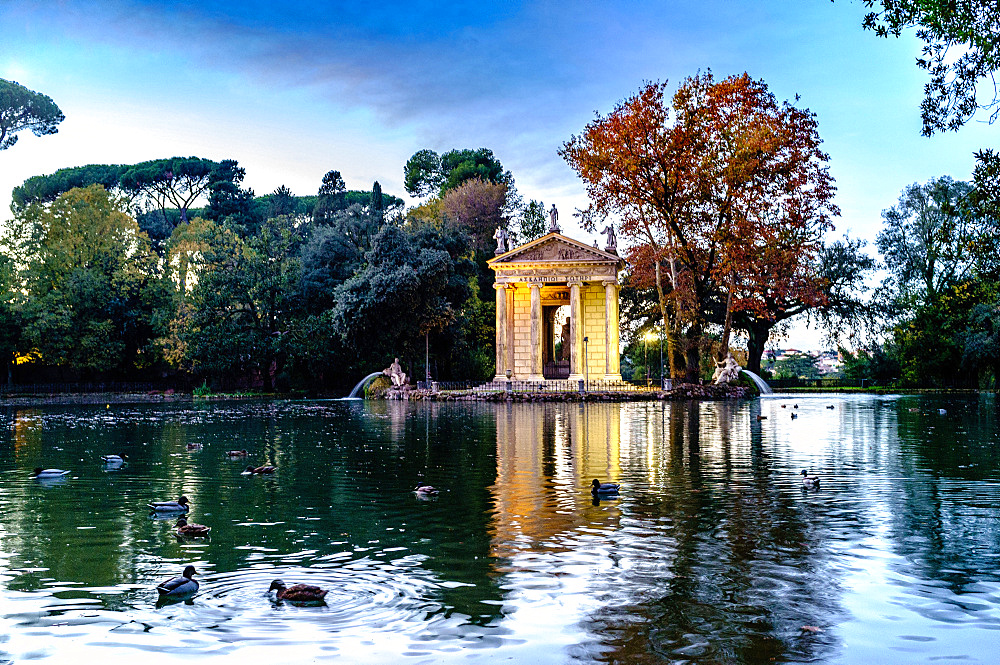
(612, 359)
(502, 366)
(536, 333)
(576, 358)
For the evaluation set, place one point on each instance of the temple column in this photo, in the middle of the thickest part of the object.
(576, 358)
(536, 334)
(502, 366)
(612, 359)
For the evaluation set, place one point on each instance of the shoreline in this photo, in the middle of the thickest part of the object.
(682, 392)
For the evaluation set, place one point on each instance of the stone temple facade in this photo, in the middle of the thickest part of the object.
(557, 311)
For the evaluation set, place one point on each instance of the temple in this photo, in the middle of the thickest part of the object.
(557, 311)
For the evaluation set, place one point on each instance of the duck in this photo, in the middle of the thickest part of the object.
(810, 482)
(259, 470)
(830, 406)
(114, 459)
(423, 489)
(761, 417)
(604, 489)
(179, 587)
(195, 446)
(42, 474)
(236, 453)
(178, 506)
(298, 593)
(943, 412)
(185, 530)
(794, 416)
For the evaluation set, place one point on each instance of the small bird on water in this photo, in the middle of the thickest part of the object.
(598, 488)
(185, 530)
(179, 587)
(809, 482)
(178, 506)
(42, 474)
(259, 470)
(298, 593)
(425, 490)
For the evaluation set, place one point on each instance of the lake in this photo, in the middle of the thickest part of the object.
(715, 552)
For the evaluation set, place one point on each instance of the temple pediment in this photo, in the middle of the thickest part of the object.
(554, 248)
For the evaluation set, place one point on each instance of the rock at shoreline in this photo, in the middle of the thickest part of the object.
(684, 391)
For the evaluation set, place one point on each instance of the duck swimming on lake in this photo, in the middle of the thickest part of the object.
(195, 446)
(42, 474)
(185, 530)
(112, 462)
(298, 593)
(809, 482)
(604, 489)
(178, 506)
(236, 453)
(259, 470)
(179, 587)
(425, 490)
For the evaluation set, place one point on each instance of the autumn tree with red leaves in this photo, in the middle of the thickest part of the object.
(705, 187)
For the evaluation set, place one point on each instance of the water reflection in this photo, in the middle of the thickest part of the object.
(713, 553)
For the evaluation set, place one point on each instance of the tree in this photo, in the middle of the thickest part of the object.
(960, 38)
(478, 208)
(937, 345)
(85, 271)
(281, 203)
(428, 173)
(786, 284)
(22, 109)
(378, 201)
(246, 297)
(733, 169)
(532, 221)
(228, 201)
(461, 166)
(47, 188)
(178, 181)
(10, 317)
(929, 241)
(422, 173)
(329, 258)
(796, 366)
(411, 284)
(332, 196)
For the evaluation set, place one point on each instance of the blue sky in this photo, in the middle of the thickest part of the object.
(292, 90)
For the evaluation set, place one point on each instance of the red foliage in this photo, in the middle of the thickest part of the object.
(723, 180)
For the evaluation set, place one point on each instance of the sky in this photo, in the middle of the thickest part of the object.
(292, 90)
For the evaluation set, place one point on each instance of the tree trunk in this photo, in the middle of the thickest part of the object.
(668, 325)
(693, 355)
(757, 338)
(724, 348)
